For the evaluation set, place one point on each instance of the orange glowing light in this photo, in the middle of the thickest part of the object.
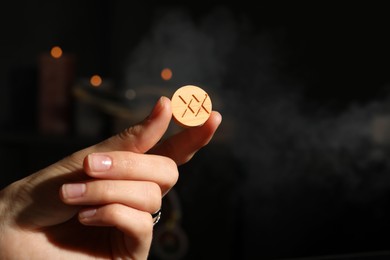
(166, 74)
(56, 52)
(96, 80)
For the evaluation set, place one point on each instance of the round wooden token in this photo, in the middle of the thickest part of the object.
(191, 106)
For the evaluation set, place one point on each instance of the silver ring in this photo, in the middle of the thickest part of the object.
(156, 217)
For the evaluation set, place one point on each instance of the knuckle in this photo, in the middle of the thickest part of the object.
(105, 190)
(130, 134)
(172, 173)
(154, 195)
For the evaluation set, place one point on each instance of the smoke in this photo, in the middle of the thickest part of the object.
(289, 156)
(194, 54)
(269, 132)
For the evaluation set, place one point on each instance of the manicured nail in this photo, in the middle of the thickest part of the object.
(74, 190)
(87, 213)
(99, 162)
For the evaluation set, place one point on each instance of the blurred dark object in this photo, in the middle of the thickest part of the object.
(56, 78)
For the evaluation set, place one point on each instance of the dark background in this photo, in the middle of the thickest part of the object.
(300, 165)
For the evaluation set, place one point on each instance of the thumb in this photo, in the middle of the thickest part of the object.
(138, 138)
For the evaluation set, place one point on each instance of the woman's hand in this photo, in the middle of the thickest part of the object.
(97, 202)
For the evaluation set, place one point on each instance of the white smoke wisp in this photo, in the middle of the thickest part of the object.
(276, 142)
(188, 49)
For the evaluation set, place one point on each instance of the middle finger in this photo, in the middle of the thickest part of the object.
(133, 166)
(141, 195)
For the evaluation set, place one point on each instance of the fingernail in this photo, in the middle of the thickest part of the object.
(99, 162)
(87, 213)
(74, 190)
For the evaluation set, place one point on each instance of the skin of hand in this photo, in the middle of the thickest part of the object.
(97, 202)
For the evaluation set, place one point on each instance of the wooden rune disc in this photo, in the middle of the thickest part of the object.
(191, 106)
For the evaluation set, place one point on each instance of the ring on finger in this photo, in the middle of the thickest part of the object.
(156, 216)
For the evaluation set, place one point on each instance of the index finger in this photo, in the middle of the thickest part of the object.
(182, 146)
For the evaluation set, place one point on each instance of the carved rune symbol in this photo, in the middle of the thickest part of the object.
(191, 108)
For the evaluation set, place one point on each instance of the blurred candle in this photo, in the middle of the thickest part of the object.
(56, 78)
(96, 81)
(166, 74)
